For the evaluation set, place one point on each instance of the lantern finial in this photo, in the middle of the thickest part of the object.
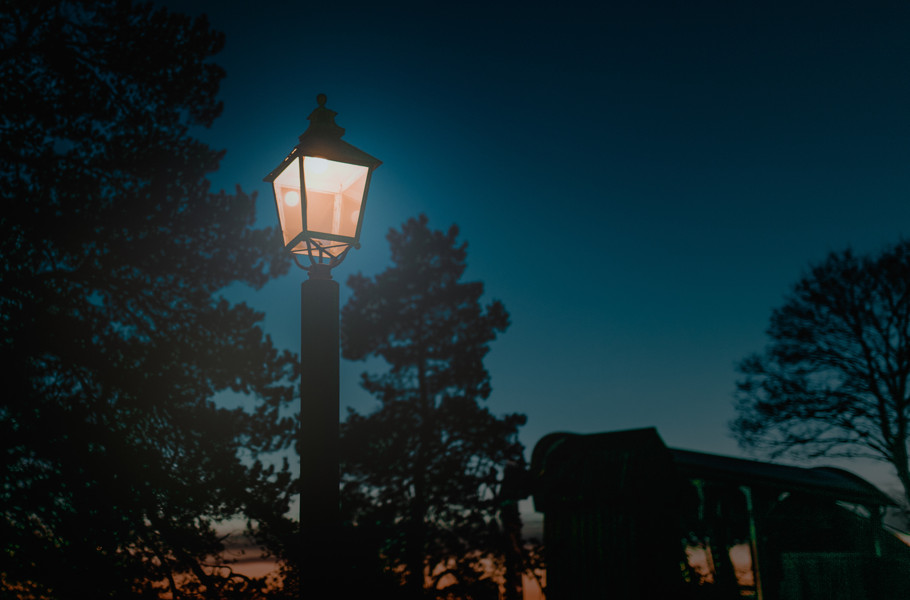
(322, 121)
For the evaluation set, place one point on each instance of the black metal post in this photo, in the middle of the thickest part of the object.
(319, 432)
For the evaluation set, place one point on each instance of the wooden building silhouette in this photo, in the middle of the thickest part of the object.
(626, 518)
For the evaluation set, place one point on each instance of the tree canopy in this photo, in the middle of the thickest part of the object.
(424, 472)
(118, 462)
(834, 379)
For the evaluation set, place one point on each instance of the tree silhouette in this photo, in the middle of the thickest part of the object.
(834, 380)
(426, 468)
(117, 463)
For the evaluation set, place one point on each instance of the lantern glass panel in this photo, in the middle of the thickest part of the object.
(288, 199)
(334, 193)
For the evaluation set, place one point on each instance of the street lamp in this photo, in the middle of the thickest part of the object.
(320, 194)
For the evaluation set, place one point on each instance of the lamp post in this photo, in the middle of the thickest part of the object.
(320, 194)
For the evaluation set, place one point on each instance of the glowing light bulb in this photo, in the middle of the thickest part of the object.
(291, 198)
(316, 165)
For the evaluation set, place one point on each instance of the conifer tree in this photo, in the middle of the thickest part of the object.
(424, 471)
(116, 462)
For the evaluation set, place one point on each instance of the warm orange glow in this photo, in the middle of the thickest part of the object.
(334, 193)
(314, 165)
(334, 196)
(287, 191)
(740, 556)
(291, 198)
(439, 579)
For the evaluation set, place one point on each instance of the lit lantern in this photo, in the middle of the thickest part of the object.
(321, 190)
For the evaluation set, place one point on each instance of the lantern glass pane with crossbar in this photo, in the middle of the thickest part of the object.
(321, 190)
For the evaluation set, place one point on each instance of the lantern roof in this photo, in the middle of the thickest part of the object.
(322, 138)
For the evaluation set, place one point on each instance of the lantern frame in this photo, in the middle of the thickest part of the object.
(321, 140)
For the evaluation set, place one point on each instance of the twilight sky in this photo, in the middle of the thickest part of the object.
(639, 183)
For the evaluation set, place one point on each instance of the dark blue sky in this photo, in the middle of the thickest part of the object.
(640, 184)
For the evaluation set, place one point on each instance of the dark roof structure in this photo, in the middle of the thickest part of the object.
(574, 455)
(829, 482)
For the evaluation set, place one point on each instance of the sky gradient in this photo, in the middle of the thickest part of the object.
(639, 184)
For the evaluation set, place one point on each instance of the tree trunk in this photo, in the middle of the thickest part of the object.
(902, 466)
(514, 564)
(416, 542)
(415, 551)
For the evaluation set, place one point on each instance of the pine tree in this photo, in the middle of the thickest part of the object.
(117, 462)
(423, 473)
